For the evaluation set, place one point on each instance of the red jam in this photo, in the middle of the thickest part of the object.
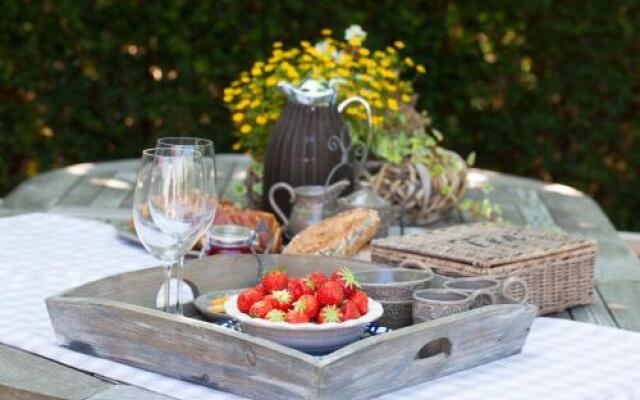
(229, 239)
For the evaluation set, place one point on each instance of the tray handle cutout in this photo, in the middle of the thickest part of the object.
(435, 350)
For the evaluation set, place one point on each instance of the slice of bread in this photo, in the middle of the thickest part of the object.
(342, 235)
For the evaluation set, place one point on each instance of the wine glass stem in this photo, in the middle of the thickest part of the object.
(168, 266)
(180, 274)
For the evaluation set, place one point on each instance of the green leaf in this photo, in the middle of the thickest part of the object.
(471, 159)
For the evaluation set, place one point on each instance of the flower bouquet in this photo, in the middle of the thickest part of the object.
(403, 144)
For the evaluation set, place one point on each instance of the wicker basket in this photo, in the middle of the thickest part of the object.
(558, 268)
(423, 195)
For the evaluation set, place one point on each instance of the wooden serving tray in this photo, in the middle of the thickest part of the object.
(114, 318)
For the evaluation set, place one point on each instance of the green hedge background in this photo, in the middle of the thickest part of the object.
(547, 89)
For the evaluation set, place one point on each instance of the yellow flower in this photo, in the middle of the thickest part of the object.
(406, 98)
(255, 103)
(399, 44)
(245, 79)
(256, 72)
(421, 69)
(228, 99)
(292, 74)
(246, 128)
(391, 50)
(356, 41)
(385, 62)
(269, 68)
(326, 32)
(305, 44)
(409, 61)
(236, 146)
(391, 87)
(392, 104)
(271, 81)
(237, 117)
(261, 120)
(277, 45)
(364, 51)
(343, 72)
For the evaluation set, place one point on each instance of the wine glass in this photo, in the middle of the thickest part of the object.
(171, 206)
(206, 148)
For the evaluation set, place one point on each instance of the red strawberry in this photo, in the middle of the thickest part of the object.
(347, 280)
(297, 288)
(330, 294)
(294, 289)
(260, 308)
(296, 317)
(282, 299)
(350, 310)
(307, 304)
(260, 288)
(275, 316)
(329, 314)
(274, 280)
(269, 298)
(362, 301)
(246, 299)
(318, 278)
(307, 286)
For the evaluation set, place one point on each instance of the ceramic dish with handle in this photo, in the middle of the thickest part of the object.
(393, 283)
(310, 338)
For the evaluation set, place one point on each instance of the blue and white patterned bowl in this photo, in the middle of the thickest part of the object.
(309, 337)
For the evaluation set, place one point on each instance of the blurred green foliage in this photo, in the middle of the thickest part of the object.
(547, 89)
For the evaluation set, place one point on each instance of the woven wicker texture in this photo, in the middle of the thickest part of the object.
(557, 267)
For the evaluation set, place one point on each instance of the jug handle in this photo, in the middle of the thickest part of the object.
(357, 99)
(272, 200)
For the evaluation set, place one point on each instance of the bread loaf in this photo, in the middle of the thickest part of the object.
(342, 235)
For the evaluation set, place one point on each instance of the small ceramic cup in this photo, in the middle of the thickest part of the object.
(429, 304)
(393, 283)
(511, 290)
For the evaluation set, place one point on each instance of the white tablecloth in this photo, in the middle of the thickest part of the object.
(43, 254)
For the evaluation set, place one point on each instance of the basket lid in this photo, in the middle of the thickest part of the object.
(485, 245)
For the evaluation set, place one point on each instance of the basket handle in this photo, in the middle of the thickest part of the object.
(507, 287)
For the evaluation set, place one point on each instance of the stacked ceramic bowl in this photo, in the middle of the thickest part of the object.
(393, 288)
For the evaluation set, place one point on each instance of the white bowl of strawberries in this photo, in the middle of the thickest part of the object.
(314, 314)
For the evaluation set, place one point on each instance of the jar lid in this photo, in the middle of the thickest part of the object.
(230, 233)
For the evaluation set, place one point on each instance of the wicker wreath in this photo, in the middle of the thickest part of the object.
(424, 197)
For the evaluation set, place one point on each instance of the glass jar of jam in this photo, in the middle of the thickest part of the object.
(229, 239)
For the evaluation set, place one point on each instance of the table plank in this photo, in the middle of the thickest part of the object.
(114, 189)
(81, 194)
(597, 313)
(125, 392)
(27, 376)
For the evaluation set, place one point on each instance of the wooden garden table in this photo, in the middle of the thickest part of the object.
(104, 191)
